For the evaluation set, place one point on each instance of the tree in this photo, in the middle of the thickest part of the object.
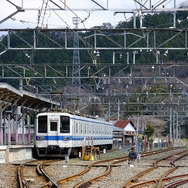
(184, 4)
(96, 108)
(149, 130)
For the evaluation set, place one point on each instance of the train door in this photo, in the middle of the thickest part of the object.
(53, 132)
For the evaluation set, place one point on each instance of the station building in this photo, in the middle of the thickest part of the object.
(125, 132)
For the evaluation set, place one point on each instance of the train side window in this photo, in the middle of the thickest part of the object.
(53, 126)
(92, 129)
(42, 124)
(81, 128)
(64, 124)
(85, 128)
(76, 127)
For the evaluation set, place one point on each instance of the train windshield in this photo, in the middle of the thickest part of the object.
(64, 124)
(42, 124)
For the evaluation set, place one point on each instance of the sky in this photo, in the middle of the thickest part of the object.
(90, 14)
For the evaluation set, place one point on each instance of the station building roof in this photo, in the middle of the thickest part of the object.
(125, 125)
(10, 96)
(117, 129)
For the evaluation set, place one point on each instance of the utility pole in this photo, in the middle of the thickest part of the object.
(137, 129)
(177, 131)
(170, 125)
(76, 56)
(174, 115)
(118, 110)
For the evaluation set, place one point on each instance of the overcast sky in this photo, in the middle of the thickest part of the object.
(62, 19)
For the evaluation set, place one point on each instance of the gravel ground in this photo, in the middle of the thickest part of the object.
(120, 174)
(7, 174)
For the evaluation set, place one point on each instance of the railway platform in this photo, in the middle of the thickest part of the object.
(18, 110)
(11, 153)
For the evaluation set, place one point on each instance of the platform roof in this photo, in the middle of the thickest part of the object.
(10, 96)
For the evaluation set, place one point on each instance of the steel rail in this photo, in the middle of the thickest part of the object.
(137, 176)
(148, 170)
(159, 185)
(89, 182)
(61, 181)
(51, 182)
(86, 170)
(177, 183)
(21, 181)
(157, 179)
(109, 168)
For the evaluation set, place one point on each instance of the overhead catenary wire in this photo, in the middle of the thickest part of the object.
(84, 42)
(82, 21)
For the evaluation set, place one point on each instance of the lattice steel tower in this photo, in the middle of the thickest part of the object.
(76, 56)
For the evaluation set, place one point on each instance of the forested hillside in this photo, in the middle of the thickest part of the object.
(63, 56)
(162, 20)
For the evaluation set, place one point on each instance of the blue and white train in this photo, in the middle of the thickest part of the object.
(60, 134)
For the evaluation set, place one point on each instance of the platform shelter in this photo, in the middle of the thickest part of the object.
(18, 110)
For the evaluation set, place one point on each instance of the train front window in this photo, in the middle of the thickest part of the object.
(42, 124)
(53, 126)
(64, 124)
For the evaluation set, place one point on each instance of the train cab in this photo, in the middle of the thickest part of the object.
(51, 130)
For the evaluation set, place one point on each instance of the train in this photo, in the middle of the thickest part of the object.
(60, 134)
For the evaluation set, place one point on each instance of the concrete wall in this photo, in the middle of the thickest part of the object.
(2, 154)
(15, 153)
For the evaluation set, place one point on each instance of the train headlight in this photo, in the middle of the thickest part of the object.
(40, 138)
(66, 138)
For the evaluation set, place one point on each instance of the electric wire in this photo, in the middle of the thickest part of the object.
(90, 53)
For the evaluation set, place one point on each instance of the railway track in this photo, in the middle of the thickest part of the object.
(111, 162)
(33, 172)
(163, 178)
(176, 183)
(166, 179)
(87, 177)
